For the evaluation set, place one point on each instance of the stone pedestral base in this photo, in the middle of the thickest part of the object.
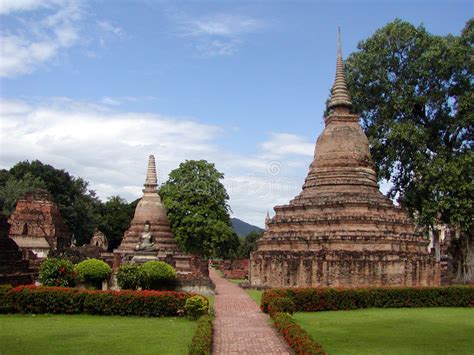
(342, 269)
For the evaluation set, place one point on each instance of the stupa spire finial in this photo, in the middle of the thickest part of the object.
(339, 93)
(151, 181)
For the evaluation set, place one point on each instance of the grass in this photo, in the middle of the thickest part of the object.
(237, 281)
(392, 331)
(87, 334)
(255, 295)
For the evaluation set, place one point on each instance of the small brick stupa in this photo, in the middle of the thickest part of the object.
(149, 211)
(37, 226)
(341, 231)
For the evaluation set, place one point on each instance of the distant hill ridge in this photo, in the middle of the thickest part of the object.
(243, 228)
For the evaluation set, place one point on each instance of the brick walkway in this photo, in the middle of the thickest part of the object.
(240, 327)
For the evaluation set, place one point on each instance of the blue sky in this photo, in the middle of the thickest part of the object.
(95, 87)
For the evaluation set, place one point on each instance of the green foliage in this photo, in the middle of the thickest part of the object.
(249, 244)
(32, 299)
(296, 337)
(281, 304)
(57, 272)
(332, 299)
(12, 188)
(82, 211)
(415, 93)
(157, 275)
(196, 203)
(93, 270)
(3, 291)
(196, 306)
(202, 339)
(114, 219)
(129, 276)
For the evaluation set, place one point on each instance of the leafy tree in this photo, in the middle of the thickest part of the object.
(248, 244)
(12, 188)
(415, 93)
(115, 217)
(196, 203)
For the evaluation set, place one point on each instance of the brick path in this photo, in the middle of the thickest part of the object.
(240, 327)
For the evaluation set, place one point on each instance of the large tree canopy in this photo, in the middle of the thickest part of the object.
(414, 91)
(196, 203)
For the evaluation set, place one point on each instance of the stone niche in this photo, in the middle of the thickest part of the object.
(13, 269)
(341, 231)
(37, 226)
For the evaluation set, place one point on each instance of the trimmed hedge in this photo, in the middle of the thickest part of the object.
(32, 299)
(196, 307)
(281, 304)
(57, 272)
(202, 339)
(332, 299)
(296, 337)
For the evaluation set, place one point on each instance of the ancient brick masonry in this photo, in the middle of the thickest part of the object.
(37, 226)
(341, 230)
(13, 269)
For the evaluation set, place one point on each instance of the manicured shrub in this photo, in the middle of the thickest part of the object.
(296, 337)
(196, 306)
(32, 299)
(3, 291)
(57, 272)
(281, 304)
(157, 275)
(327, 299)
(129, 276)
(93, 271)
(202, 339)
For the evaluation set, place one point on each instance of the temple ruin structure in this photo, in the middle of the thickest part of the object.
(341, 231)
(149, 236)
(37, 226)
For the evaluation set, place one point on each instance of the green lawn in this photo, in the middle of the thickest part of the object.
(86, 334)
(392, 331)
(256, 295)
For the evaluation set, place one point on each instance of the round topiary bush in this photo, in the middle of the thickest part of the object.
(93, 271)
(130, 276)
(57, 272)
(158, 275)
(196, 306)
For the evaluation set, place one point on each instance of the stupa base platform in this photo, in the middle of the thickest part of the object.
(348, 269)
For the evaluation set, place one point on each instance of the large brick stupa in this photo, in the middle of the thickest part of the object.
(341, 231)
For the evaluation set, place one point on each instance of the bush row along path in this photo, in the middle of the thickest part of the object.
(240, 327)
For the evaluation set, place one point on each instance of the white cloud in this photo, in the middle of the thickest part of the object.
(36, 41)
(218, 35)
(108, 27)
(109, 148)
(282, 144)
(10, 6)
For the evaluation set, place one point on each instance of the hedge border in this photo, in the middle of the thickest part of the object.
(201, 343)
(332, 299)
(296, 337)
(61, 300)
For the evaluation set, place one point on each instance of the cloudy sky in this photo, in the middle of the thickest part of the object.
(95, 87)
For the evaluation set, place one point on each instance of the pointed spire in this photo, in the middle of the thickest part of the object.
(151, 181)
(339, 93)
(267, 219)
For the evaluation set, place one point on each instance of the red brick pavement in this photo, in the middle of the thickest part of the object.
(240, 327)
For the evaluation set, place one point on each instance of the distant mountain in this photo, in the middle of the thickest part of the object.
(243, 228)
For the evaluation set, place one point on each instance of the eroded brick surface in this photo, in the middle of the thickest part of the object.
(240, 327)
